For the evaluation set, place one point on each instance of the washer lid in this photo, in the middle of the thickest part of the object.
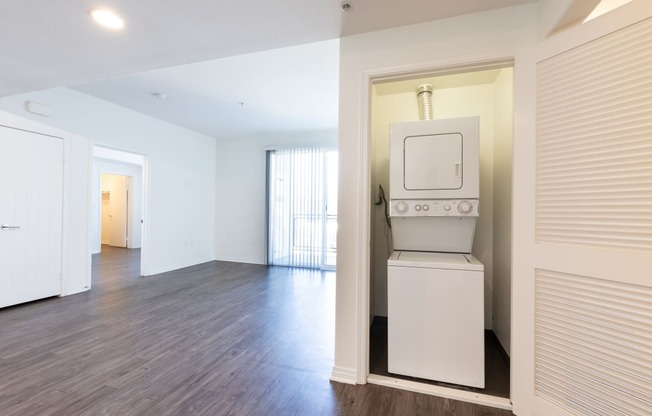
(432, 260)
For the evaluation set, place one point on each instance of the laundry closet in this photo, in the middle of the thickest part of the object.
(443, 211)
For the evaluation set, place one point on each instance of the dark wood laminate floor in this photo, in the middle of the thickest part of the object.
(496, 363)
(214, 339)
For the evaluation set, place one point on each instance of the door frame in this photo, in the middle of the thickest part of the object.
(120, 156)
(363, 319)
(129, 205)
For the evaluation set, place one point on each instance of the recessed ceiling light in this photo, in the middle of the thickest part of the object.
(107, 18)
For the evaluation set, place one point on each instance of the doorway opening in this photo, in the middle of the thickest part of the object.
(118, 209)
(485, 91)
(302, 207)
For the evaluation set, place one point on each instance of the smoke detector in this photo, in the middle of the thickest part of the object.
(346, 6)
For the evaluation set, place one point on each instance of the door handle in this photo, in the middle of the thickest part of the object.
(6, 227)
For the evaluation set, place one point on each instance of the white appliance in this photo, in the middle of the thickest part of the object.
(434, 159)
(435, 288)
(434, 225)
(434, 184)
(436, 317)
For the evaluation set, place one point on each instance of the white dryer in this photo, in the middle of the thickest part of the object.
(436, 317)
(434, 184)
(434, 159)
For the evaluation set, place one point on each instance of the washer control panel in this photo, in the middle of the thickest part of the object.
(434, 208)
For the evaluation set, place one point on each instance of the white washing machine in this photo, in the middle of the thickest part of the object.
(436, 317)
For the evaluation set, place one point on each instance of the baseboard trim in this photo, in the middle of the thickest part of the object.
(73, 290)
(177, 266)
(445, 392)
(343, 375)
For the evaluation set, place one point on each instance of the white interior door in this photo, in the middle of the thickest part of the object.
(115, 209)
(582, 280)
(31, 182)
(119, 198)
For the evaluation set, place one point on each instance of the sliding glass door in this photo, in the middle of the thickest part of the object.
(330, 215)
(302, 207)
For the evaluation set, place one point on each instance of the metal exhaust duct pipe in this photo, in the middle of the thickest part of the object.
(424, 95)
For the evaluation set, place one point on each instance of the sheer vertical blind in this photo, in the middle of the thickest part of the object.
(296, 207)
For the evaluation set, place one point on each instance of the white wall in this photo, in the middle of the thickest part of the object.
(180, 171)
(462, 101)
(555, 15)
(502, 208)
(471, 38)
(605, 6)
(135, 200)
(241, 189)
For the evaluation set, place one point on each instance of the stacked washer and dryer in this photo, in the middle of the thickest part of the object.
(435, 286)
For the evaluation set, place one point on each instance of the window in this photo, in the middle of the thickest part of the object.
(302, 207)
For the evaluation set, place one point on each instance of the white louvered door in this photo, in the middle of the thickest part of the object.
(582, 281)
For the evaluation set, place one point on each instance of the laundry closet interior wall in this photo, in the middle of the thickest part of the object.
(484, 93)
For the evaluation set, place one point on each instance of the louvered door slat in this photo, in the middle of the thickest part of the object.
(594, 338)
(594, 143)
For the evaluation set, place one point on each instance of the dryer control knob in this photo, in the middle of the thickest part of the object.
(465, 207)
(401, 207)
(417, 207)
(426, 207)
(447, 207)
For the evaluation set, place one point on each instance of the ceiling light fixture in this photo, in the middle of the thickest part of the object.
(107, 18)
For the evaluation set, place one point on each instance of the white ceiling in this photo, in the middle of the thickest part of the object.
(54, 43)
(486, 76)
(293, 89)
